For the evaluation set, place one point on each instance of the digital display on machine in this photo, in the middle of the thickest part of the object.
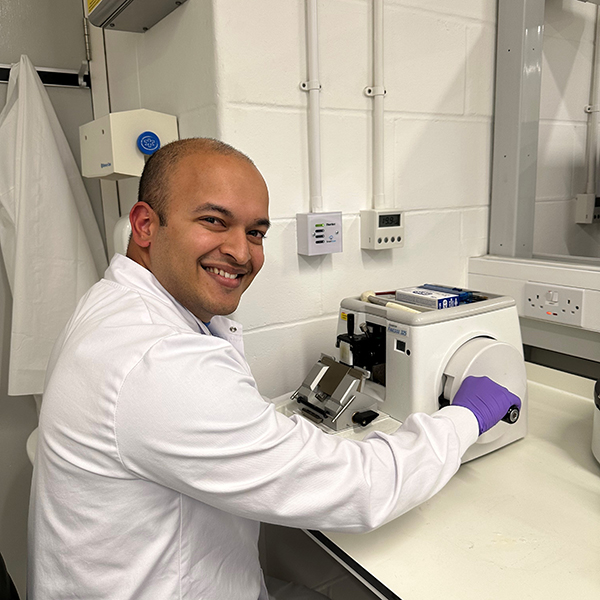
(389, 220)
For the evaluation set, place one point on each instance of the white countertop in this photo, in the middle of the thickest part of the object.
(520, 523)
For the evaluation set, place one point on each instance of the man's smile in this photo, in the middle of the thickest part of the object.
(226, 276)
(223, 273)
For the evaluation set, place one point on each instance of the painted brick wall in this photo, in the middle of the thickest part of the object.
(232, 69)
(439, 64)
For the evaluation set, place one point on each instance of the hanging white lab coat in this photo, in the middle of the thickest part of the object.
(157, 457)
(50, 241)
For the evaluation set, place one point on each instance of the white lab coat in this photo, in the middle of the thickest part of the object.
(157, 457)
(50, 242)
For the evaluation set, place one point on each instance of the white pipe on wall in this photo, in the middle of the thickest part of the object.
(313, 87)
(592, 131)
(378, 93)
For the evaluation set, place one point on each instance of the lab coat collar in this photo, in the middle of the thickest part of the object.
(227, 329)
(130, 274)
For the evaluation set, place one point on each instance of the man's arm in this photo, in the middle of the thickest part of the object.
(190, 418)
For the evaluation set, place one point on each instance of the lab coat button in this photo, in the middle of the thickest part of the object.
(233, 329)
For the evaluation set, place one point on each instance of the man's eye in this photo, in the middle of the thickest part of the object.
(258, 234)
(211, 220)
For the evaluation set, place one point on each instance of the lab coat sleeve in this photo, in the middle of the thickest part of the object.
(189, 417)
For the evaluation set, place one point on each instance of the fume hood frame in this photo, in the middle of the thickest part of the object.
(511, 267)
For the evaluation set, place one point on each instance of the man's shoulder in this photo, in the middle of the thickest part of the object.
(114, 305)
(112, 329)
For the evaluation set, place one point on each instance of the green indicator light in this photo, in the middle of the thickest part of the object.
(321, 225)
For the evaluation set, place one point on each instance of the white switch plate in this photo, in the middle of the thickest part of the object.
(554, 303)
(319, 233)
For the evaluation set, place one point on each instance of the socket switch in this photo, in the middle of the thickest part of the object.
(555, 303)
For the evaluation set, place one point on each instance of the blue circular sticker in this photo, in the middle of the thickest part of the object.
(148, 142)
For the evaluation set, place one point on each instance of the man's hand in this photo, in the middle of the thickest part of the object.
(487, 400)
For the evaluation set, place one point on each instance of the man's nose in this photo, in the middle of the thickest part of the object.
(236, 246)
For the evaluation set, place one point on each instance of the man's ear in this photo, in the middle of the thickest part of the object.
(144, 224)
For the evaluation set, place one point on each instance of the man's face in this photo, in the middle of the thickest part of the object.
(212, 245)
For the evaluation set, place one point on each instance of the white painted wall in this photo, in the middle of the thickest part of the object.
(438, 75)
(172, 69)
(566, 77)
(233, 69)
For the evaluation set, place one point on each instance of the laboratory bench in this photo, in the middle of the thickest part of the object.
(517, 524)
(522, 522)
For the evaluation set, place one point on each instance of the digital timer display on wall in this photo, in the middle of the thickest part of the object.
(381, 229)
(389, 220)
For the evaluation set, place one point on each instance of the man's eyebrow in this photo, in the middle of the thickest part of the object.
(208, 206)
(213, 207)
(264, 222)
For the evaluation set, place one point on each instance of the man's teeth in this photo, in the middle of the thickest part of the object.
(221, 273)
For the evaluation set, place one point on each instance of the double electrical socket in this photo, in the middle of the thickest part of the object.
(554, 303)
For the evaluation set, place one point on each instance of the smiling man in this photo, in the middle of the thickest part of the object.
(157, 456)
(206, 245)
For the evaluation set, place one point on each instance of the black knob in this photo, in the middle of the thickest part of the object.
(364, 417)
(512, 416)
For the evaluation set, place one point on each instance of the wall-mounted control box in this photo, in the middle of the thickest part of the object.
(319, 233)
(381, 229)
(116, 146)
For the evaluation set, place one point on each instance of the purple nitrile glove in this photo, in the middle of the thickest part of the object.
(487, 400)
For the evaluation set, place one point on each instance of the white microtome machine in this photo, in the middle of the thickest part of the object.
(396, 359)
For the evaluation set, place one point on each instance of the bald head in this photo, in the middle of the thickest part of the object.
(155, 181)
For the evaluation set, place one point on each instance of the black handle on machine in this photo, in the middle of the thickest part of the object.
(364, 417)
(512, 416)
